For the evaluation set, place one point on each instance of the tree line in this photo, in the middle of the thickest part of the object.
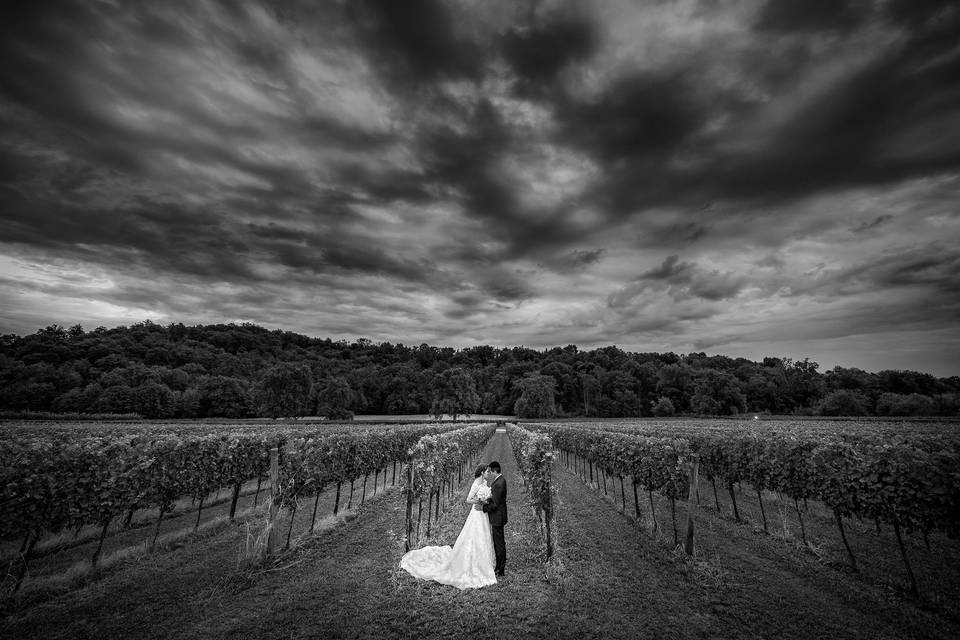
(244, 370)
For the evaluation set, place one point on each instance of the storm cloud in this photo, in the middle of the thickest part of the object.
(753, 178)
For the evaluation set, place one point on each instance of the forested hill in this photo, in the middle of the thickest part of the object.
(246, 370)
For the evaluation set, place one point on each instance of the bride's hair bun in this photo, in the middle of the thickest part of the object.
(479, 471)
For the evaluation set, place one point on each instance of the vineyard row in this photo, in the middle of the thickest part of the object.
(48, 485)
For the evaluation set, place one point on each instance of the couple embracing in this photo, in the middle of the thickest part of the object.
(479, 555)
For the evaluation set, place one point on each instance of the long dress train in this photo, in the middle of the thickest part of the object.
(468, 564)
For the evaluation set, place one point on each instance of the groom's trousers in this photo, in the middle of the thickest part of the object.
(499, 548)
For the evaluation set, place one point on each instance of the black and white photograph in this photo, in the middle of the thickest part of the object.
(495, 319)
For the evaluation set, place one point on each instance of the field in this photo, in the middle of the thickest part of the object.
(616, 571)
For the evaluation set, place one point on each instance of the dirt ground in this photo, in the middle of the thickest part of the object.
(610, 579)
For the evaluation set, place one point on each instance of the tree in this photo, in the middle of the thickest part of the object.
(905, 404)
(335, 399)
(133, 375)
(70, 402)
(68, 370)
(454, 393)
(53, 332)
(589, 387)
(568, 386)
(187, 403)
(673, 381)
(285, 390)
(500, 395)
(806, 385)
(176, 379)
(116, 399)
(223, 396)
(663, 407)
(153, 400)
(618, 394)
(536, 397)
(368, 382)
(843, 402)
(704, 405)
(646, 377)
(948, 404)
(723, 391)
(401, 393)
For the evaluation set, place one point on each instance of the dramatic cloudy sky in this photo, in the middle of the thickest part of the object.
(743, 177)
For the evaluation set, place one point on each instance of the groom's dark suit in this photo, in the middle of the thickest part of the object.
(496, 510)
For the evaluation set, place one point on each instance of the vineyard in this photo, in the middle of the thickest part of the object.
(66, 477)
(908, 481)
(855, 520)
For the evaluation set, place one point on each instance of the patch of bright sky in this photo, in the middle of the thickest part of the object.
(657, 37)
(544, 176)
(46, 292)
(53, 273)
(343, 88)
(925, 350)
(221, 175)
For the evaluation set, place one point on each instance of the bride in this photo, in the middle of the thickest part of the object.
(470, 562)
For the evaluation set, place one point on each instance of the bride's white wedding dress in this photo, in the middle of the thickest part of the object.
(469, 563)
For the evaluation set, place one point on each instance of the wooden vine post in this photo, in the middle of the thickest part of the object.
(409, 506)
(274, 497)
(548, 510)
(692, 504)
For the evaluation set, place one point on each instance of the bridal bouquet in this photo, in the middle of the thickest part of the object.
(483, 493)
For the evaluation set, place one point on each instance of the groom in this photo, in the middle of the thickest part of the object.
(496, 510)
